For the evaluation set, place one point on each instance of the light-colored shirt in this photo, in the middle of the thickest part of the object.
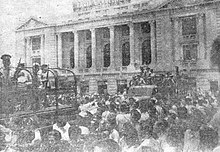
(115, 136)
(144, 116)
(151, 144)
(84, 130)
(64, 131)
(121, 119)
(191, 141)
(37, 135)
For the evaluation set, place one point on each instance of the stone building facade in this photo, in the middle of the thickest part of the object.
(106, 43)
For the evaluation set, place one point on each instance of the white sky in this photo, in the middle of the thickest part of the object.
(14, 12)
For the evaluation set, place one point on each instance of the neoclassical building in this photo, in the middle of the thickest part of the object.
(106, 42)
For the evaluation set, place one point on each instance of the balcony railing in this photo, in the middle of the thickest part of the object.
(91, 10)
(88, 5)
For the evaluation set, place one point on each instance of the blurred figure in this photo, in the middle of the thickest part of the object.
(43, 74)
(108, 145)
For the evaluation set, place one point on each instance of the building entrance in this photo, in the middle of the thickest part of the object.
(102, 87)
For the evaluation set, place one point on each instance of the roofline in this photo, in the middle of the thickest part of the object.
(37, 28)
(164, 3)
(130, 14)
(30, 18)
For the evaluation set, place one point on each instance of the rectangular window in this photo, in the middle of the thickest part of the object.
(214, 86)
(145, 27)
(88, 35)
(36, 43)
(190, 52)
(125, 30)
(189, 25)
(106, 33)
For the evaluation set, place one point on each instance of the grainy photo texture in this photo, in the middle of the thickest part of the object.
(109, 76)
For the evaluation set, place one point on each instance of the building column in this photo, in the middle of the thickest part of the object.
(93, 87)
(112, 46)
(28, 51)
(131, 39)
(76, 50)
(201, 47)
(178, 51)
(112, 86)
(153, 41)
(60, 64)
(42, 53)
(93, 36)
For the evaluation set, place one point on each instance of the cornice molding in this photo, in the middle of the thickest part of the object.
(129, 15)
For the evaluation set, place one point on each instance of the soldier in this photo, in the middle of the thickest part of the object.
(6, 71)
(21, 75)
(36, 68)
(43, 73)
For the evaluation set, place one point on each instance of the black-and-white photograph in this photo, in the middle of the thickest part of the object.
(110, 76)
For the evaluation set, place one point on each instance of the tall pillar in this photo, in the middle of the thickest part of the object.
(201, 47)
(131, 39)
(60, 64)
(153, 39)
(42, 53)
(25, 50)
(93, 35)
(28, 51)
(76, 50)
(112, 46)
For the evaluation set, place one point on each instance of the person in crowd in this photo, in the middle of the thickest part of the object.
(43, 76)
(161, 123)
(107, 145)
(208, 138)
(74, 134)
(175, 136)
(111, 110)
(111, 128)
(123, 116)
(129, 137)
(135, 117)
(191, 137)
(62, 126)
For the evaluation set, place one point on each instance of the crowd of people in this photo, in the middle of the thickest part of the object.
(119, 123)
(167, 121)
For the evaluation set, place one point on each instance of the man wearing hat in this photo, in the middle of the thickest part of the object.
(6, 60)
(6, 72)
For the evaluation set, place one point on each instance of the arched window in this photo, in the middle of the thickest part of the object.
(89, 57)
(106, 55)
(126, 54)
(146, 52)
(72, 61)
